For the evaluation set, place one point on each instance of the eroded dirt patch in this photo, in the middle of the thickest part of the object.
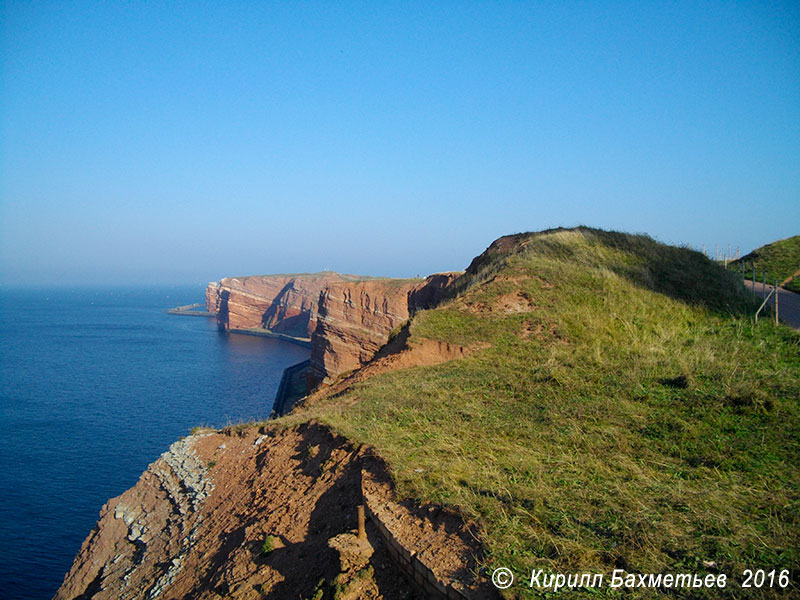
(512, 303)
(401, 352)
(245, 513)
(541, 332)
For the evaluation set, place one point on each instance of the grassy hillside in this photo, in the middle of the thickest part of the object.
(779, 259)
(619, 411)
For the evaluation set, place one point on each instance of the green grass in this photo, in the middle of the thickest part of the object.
(630, 417)
(779, 259)
(268, 545)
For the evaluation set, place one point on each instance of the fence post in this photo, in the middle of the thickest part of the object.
(763, 304)
(776, 302)
(362, 533)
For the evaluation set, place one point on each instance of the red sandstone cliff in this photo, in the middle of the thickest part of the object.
(212, 297)
(281, 303)
(355, 319)
(347, 317)
(195, 524)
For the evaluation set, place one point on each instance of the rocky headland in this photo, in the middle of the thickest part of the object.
(346, 318)
(261, 511)
(624, 341)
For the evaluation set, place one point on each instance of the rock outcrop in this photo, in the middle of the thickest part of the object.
(156, 523)
(354, 321)
(279, 303)
(213, 297)
(347, 317)
(251, 512)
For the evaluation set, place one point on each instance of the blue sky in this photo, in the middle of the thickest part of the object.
(185, 141)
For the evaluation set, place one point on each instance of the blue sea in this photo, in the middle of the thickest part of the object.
(94, 385)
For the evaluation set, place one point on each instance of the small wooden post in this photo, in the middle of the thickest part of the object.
(776, 302)
(362, 533)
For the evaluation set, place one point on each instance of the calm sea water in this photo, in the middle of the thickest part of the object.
(94, 385)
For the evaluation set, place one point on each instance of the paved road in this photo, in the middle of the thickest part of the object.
(788, 303)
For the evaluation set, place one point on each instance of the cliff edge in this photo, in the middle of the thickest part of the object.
(256, 512)
(594, 400)
(347, 318)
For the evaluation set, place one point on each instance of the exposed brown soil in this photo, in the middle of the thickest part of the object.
(436, 535)
(297, 487)
(401, 352)
(517, 302)
(407, 352)
(541, 332)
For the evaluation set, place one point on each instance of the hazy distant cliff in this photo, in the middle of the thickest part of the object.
(347, 317)
(280, 303)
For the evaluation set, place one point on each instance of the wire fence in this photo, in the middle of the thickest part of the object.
(763, 283)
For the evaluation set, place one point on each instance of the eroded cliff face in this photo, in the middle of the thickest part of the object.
(195, 525)
(354, 321)
(348, 318)
(259, 511)
(281, 303)
(212, 297)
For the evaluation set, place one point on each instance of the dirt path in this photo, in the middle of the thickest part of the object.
(788, 303)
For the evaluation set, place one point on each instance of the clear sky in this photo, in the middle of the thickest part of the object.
(186, 141)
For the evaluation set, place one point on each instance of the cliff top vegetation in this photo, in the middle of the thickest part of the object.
(327, 274)
(617, 408)
(780, 260)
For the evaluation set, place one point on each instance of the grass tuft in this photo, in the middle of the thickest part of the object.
(268, 545)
